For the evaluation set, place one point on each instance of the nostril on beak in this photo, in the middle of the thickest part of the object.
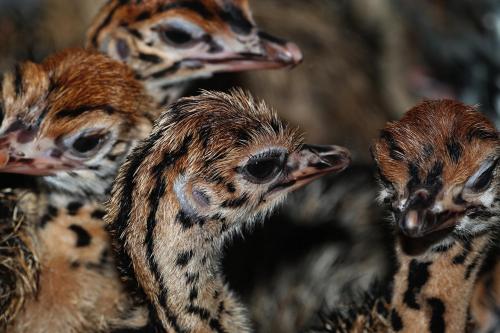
(330, 156)
(420, 199)
(340, 157)
(422, 195)
(334, 159)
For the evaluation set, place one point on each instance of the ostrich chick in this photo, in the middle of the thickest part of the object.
(212, 165)
(438, 168)
(70, 121)
(168, 43)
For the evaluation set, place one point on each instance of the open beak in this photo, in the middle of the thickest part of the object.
(310, 163)
(420, 223)
(31, 166)
(418, 220)
(420, 227)
(37, 166)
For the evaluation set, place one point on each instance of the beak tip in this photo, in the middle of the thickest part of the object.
(333, 158)
(342, 158)
(346, 154)
(294, 54)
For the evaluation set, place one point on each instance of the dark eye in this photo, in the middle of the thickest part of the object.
(87, 143)
(260, 170)
(483, 181)
(176, 37)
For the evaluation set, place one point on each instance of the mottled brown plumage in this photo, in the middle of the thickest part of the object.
(254, 50)
(485, 300)
(70, 121)
(212, 165)
(439, 176)
(170, 42)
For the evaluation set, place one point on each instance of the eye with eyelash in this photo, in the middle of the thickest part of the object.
(176, 37)
(481, 180)
(270, 154)
(264, 167)
(86, 143)
(179, 34)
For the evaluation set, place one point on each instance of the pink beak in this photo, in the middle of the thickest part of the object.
(280, 51)
(276, 53)
(31, 162)
(310, 163)
(38, 166)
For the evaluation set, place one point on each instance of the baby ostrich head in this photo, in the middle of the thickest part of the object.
(224, 157)
(71, 119)
(212, 163)
(166, 42)
(438, 169)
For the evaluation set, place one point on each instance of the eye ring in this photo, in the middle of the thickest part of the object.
(176, 37)
(482, 179)
(86, 143)
(263, 168)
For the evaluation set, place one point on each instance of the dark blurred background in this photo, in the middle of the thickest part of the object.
(365, 63)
